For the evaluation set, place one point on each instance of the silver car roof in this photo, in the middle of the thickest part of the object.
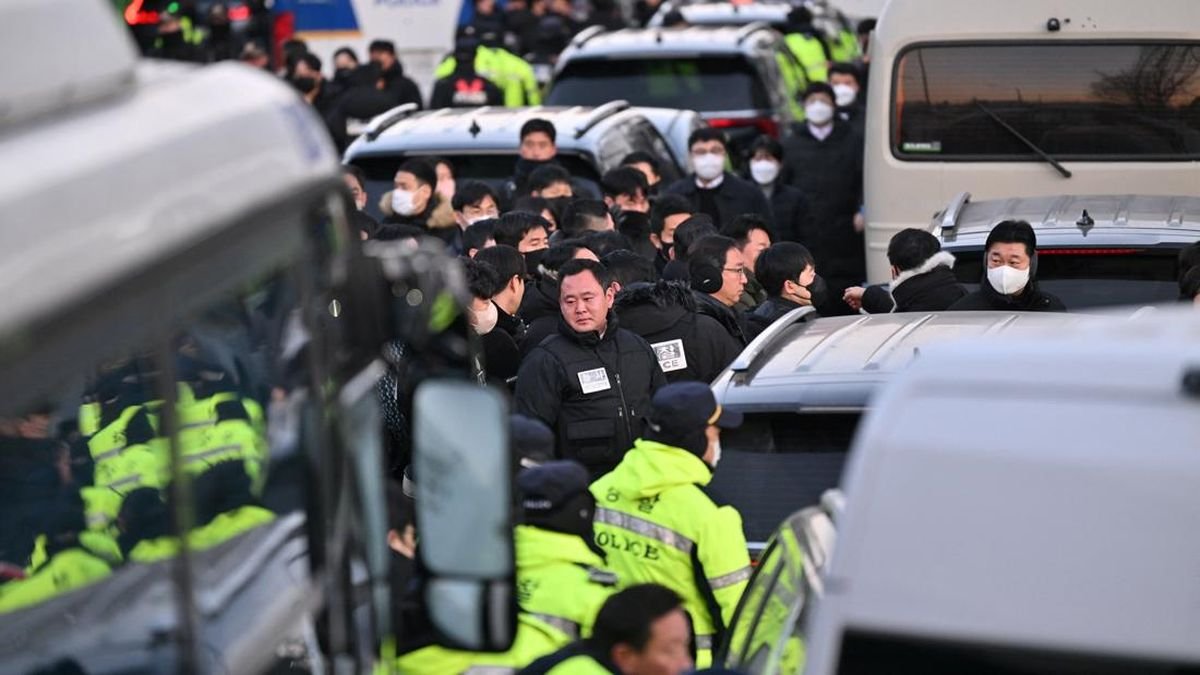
(1115, 220)
(487, 129)
(667, 42)
(838, 362)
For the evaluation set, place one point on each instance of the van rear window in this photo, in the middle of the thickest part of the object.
(1085, 278)
(707, 83)
(1087, 101)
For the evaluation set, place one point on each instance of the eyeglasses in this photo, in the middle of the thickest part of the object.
(741, 271)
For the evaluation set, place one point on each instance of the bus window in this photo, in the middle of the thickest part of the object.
(1113, 101)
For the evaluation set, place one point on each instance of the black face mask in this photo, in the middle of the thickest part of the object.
(819, 291)
(665, 251)
(304, 85)
(533, 259)
(527, 166)
(172, 39)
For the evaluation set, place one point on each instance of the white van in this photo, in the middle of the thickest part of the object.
(1027, 98)
(1019, 505)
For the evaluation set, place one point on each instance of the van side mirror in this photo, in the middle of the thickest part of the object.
(462, 470)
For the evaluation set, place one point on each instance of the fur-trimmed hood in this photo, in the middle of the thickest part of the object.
(442, 214)
(939, 259)
(662, 294)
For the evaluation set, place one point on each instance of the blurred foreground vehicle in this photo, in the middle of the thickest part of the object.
(191, 442)
(994, 499)
(1093, 250)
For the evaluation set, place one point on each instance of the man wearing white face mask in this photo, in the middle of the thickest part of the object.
(824, 159)
(711, 189)
(414, 201)
(1009, 282)
(847, 87)
(788, 204)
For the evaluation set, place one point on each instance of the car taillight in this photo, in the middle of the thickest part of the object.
(766, 125)
(136, 16)
(282, 30)
(1089, 251)
(239, 13)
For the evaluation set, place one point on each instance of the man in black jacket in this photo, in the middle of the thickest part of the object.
(789, 276)
(922, 278)
(539, 308)
(592, 382)
(717, 272)
(713, 190)
(1009, 282)
(824, 158)
(390, 73)
(788, 204)
(511, 291)
(687, 344)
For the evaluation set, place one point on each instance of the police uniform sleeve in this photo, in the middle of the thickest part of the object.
(539, 387)
(725, 560)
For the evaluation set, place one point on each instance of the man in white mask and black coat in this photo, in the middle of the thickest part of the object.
(710, 188)
(1009, 281)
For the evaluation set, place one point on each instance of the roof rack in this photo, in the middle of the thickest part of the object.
(750, 29)
(586, 35)
(386, 120)
(746, 359)
(600, 114)
(954, 210)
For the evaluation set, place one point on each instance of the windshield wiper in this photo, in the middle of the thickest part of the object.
(1028, 143)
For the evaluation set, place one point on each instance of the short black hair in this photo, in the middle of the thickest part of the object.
(311, 60)
(843, 68)
(628, 617)
(689, 231)
(668, 205)
(538, 124)
(603, 242)
(709, 250)
(764, 142)
(581, 214)
(911, 247)
(476, 236)
(739, 230)
(470, 193)
(624, 180)
(483, 279)
(545, 176)
(642, 157)
(705, 134)
(531, 204)
(357, 173)
(866, 26)
(514, 225)
(1189, 257)
(559, 254)
(818, 88)
(421, 169)
(628, 267)
(507, 260)
(348, 52)
(581, 265)
(382, 46)
(1012, 232)
(781, 262)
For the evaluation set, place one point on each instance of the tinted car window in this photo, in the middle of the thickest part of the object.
(1084, 278)
(874, 653)
(690, 83)
(776, 464)
(1098, 101)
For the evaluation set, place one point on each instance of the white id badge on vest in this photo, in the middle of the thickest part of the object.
(670, 355)
(592, 381)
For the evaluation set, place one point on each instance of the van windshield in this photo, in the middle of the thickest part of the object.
(1087, 101)
(686, 84)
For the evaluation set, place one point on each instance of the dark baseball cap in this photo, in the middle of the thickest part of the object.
(684, 408)
(532, 441)
(548, 487)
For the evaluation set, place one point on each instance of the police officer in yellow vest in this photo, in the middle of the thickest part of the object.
(807, 44)
(658, 524)
(508, 71)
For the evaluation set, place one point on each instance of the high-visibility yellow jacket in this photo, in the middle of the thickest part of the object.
(657, 524)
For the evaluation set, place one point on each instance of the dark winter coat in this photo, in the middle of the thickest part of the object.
(734, 196)
(733, 321)
(591, 390)
(930, 287)
(400, 88)
(792, 217)
(540, 310)
(829, 173)
(688, 345)
(769, 312)
(986, 298)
